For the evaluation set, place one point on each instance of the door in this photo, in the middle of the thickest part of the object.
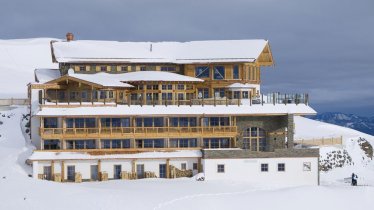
(47, 172)
(94, 172)
(71, 173)
(162, 171)
(140, 171)
(117, 171)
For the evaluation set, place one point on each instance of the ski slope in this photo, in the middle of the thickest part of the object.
(18, 191)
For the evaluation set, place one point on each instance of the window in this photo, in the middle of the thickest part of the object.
(124, 68)
(235, 72)
(219, 92)
(93, 68)
(142, 68)
(219, 72)
(307, 166)
(220, 168)
(216, 143)
(236, 94)
(281, 167)
(203, 93)
(180, 86)
(103, 68)
(167, 96)
(50, 122)
(264, 167)
(183, 143)
(194, 166)
(149, 143)
(167, 87)
(51, 144)
(113, 68)
(202, 72)
(254, 138)
(167, 68)
(180, 96)
(82, 68)
(183, 166)
(245, 94)
(162, 170)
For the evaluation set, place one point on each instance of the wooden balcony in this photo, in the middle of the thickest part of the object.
(138, 132)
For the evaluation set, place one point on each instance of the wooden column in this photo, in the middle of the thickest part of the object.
(62, 171)
(99, 166)
(52, 169)
(168, 168)
(133, 166)
(199, 166)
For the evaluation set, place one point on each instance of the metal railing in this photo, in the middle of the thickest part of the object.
(260, 99)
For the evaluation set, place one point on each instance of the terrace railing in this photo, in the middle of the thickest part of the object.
(137, 131)
(261, 99)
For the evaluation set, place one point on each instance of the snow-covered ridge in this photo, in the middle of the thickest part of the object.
(18, 60)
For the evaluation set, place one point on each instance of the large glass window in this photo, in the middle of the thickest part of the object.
(150, 143)
(150, 122)
(219, 92)
(183, 121)
(202, 72)
(216, 143)
(50, 122)
(235, 72)
(219, 72)
(183, 143)
(254, 138)
(203, 93)
(51, 144)
(81, 144)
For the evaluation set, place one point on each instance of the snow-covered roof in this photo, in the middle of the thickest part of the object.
(241, 86)
(156, 76)
(134, 110)
(45, 75)
(159, 52)
(101, 78)
(42, 155)
(118, 80)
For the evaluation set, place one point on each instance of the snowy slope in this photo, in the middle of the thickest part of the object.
(355, 160)
(18, 59)
(18, 191)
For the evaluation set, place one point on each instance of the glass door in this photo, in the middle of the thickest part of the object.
(162, 171)
(94, 172)
(140, 171)
(71, 173)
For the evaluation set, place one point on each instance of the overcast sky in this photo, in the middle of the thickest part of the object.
(322, 47)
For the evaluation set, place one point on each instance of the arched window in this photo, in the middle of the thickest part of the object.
(254, 138)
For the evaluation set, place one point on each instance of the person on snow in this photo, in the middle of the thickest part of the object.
(354, 179)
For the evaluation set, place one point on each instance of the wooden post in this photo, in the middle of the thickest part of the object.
(214, 98)
(52, 169)
(56, 96)
(168, 168)
(133, 166)
(199, 166)
(62, 171)
(99, 166)
(250, 98)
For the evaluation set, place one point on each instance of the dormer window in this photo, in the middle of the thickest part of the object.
(124, 68)
(82, 68)
(103, 68)
(219, 72)
(202, 72)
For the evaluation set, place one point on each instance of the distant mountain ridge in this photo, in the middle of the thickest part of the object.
(363, 124)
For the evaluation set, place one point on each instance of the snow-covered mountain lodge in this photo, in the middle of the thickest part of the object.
(132, 110)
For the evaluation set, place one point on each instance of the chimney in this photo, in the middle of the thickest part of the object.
(69, 37)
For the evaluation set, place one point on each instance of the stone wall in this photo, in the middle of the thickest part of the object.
(275, 127)
(242, 153)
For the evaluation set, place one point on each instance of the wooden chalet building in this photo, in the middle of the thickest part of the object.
(131, 110)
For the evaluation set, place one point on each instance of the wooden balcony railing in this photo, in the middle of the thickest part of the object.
(138, 132)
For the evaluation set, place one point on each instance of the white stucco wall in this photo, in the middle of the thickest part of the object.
(84, 166)
(250, 170)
